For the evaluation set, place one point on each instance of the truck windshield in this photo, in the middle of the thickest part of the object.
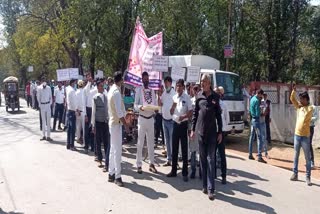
(231, 85)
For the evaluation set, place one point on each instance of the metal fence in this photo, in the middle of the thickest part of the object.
(273, 96)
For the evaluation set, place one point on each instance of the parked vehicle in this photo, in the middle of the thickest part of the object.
(11, 93)
(233, 97)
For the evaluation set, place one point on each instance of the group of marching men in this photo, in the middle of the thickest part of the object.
(192, 117)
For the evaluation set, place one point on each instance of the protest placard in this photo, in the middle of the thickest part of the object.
(193, 74)
(74, 73)
(178, 73)
(63, 74)
(160, 63)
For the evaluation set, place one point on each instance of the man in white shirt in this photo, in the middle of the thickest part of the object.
(144, 97)
(116, 112)
(89, 92)
(166, 102)
(71, 114)
(44, 97)
(80, 112)
(181, 111)
(59, 99)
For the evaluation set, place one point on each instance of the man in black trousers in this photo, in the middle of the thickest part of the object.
(99, 122)
(206, 117)
(181, 111)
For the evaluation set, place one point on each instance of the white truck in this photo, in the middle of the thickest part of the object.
(233, 97)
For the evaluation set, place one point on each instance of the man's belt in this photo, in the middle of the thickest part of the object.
(146, 117)
(167, 120)
(45, 103)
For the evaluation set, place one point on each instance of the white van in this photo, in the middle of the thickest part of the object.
(233, 97)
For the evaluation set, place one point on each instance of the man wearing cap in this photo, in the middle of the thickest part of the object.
(71, 114)
(80, 112)
(144, 97)
(44, 97)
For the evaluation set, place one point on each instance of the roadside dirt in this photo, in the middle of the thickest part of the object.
(280, 154)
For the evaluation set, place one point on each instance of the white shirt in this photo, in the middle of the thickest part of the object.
(167, 101)
(81, 101)
(44, 95)
(59, 95)
(89, 93)
(183, 105)
(120, 112)
(145, 97)
(224, 115)
(71, 99)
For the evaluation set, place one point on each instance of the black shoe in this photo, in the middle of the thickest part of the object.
(294, 177)
(224, 181)
(68, 146)
(59, 128)
(171, 174)
(111, 178)
(49, 139)
(152, 168)
(211, 196)
(308, 180)
(205, 191)
(73, 148)
(185, 178)
(193, 175)
(119, 182)
(251, 157)
(261, 160)
(43, 138)
(167, 163)
(139, 170)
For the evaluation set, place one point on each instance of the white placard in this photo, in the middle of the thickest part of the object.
(177, 73)
(30, 68)
(99, 74)
(193, 74)
(160, 63)
(63, 75)
(74, 73)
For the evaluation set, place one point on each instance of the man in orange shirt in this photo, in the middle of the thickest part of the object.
(302, 133)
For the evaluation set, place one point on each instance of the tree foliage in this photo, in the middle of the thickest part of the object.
(273, 40)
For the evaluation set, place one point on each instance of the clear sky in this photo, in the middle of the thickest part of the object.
(315, 2)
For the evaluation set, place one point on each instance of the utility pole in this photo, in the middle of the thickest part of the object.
(229, 33)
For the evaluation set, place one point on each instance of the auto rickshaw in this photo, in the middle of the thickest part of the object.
(11, 93)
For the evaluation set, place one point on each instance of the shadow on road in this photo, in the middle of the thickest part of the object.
(17, 112)
(145, 191)
(240, 173)
(12, 212)
(250, 205)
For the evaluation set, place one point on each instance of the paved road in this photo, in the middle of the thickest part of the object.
(43, 178)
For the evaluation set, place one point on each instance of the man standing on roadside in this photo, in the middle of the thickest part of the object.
(89, 92)
(166, 102)
(267, 117)
(181, 111)
(144, 97)
(99, 122)
(302, 133)
(72, 107)
(59, 99)
(28, 95)
(255, 113)
(116, 112)
(207, 124)
(312, 125)
(45, 101)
